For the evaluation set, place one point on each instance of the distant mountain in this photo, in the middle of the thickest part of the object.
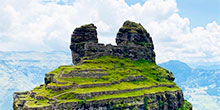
(201, 86)
(24, 70)
(180, 70)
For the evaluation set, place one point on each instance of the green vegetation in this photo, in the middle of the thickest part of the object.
(48, 93)
(115, 87)
(37, 103)
(119, 70)
(186, 106)
(133, 28)
(135, 93)
(66, 96)
(88, 26)
(146, 103)
(82, 81)
(116, 68)
(161, 103)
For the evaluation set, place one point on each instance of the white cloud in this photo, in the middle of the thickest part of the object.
(46, 26)
(201, 100)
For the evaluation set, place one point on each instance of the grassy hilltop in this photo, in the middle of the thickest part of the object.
(145, 78)
(107, 77)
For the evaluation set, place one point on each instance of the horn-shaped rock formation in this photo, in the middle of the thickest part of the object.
(107, 77)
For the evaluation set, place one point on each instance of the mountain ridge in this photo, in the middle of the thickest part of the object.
(199, 86)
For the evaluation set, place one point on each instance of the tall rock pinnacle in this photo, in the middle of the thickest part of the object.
(132, 32)
(133, 42)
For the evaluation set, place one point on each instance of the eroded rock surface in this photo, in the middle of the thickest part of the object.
(133, 42)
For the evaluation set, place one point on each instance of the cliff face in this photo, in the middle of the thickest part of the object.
(133, 42)
(107, 77)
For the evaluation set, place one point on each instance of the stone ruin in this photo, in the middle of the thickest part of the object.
(132, 40)
(93, 87)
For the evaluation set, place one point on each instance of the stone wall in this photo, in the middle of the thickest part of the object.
(133, 42)
(96, 94)
(17, 94)
(57, 88)
(84, 75)
(170, 100)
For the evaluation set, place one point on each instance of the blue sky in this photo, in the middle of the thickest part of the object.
(200, 12)
(186, 30)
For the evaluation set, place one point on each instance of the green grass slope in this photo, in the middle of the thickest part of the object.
(100, 76)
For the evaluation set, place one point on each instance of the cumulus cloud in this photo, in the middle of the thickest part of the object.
(45, 25)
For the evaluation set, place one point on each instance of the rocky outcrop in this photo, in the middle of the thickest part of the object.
(133, 33)
(156, 101)
(133, 42)
(86, 33)
(107, 77)
(170, 100)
